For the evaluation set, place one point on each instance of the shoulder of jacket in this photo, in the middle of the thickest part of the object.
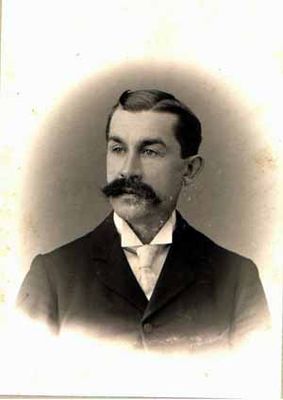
(72, 254)
(218, 255)
(80, 242)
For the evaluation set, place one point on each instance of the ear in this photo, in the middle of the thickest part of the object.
(193, 166)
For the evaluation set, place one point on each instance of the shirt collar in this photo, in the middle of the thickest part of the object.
(130, 239)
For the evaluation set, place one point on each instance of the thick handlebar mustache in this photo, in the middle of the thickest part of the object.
(123, 185)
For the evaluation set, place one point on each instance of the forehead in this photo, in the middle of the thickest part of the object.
(142, 124)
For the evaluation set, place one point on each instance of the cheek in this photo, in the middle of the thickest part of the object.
(168, 179)
(174, 185)
(176, 179)
(111, 168)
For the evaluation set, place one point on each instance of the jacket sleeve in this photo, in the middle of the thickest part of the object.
(251, 316)
(37, 297)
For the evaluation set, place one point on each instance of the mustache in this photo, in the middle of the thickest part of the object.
(130, 185)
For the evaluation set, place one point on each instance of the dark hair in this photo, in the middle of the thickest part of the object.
(188, 128)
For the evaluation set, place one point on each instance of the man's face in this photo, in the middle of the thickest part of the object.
(142, 147)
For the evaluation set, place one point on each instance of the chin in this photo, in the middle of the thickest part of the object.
(130, 208)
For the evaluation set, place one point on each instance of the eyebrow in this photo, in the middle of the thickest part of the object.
(143, 143)
(115, 139)
(150, 142)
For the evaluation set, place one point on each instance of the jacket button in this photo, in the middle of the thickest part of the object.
(147, 328)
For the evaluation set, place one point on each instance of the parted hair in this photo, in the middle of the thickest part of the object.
(188, 127)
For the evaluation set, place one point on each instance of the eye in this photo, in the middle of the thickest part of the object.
(116, 148)
(150, 153)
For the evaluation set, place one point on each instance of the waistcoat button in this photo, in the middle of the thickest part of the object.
(147, 328)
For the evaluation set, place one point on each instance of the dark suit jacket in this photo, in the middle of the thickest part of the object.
(205, 295)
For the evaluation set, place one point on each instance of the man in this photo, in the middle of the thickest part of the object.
(145, 276)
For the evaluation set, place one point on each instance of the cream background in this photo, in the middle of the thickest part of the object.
(64, 63)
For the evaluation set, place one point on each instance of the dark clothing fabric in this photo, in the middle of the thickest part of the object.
(206, 296)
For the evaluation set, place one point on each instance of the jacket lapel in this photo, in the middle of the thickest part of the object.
(111, 265)
(186, 264)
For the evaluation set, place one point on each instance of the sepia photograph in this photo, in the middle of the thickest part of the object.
(141, 199)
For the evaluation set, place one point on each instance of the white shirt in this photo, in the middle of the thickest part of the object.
(130, 242)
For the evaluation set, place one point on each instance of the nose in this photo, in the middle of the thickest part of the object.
(131, 166)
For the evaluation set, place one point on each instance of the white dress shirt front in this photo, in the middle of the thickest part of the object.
(160, 246)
